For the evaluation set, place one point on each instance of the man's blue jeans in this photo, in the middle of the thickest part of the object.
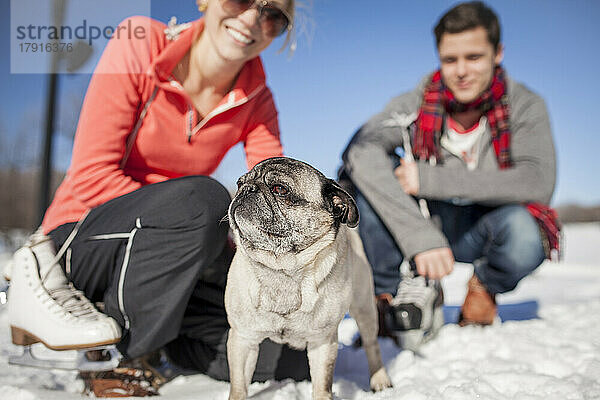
(503, 243)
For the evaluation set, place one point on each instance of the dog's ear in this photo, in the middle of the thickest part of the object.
(341, 204)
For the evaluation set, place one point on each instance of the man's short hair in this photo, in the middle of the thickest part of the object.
(466, 16)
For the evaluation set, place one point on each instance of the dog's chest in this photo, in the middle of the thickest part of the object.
(299, 327)
(294, 310)
(277, 292)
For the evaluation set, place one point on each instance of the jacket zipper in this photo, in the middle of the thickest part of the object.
(231, 103)
(190, 122)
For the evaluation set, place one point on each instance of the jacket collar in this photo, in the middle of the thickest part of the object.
(250, 79)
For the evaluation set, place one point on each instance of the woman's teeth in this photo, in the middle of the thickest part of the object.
(239, 36)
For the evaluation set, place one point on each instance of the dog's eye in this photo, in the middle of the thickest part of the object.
(279, 190)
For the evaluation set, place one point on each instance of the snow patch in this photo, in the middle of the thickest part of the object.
(554, 357)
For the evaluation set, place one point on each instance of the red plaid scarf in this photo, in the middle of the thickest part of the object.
(437, 100)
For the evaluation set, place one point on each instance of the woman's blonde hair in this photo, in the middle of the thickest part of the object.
(290, 37)
(300, 12)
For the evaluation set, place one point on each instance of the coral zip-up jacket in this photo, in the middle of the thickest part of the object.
(172, 140)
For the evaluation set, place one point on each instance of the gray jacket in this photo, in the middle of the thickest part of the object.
(369, 161)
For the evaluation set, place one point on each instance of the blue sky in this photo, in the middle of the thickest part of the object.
(360, 54)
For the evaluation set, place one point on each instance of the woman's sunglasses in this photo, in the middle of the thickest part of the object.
(273, 20)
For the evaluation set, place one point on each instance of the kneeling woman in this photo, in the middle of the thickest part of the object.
(137, 219)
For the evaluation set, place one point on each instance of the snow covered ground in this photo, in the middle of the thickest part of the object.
(554, 357)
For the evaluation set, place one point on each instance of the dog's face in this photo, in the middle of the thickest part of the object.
(284, 205)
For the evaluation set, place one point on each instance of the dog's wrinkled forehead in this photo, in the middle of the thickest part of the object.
(292, 172)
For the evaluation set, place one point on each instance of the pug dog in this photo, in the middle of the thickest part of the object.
(298, 268)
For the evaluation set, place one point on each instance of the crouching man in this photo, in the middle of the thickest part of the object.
(472, 149)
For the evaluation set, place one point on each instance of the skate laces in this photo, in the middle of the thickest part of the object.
(69, 298)
(413, 289)
(73, 301)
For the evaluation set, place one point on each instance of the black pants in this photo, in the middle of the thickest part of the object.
(158, 259)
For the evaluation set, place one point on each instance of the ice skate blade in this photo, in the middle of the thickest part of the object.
(21, 337)
(79, 362)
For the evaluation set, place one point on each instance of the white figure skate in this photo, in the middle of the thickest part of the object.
(43, 307)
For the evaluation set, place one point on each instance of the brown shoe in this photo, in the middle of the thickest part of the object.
(479, 307)
(136, 377)
(383, 310)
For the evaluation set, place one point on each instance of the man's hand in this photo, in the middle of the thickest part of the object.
(435, 263)
(408, 176)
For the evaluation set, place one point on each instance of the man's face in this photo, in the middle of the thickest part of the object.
(467, 62)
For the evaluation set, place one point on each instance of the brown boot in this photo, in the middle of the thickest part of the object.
(479, 307)
(383, 310)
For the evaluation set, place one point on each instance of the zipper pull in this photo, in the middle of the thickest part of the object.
(191, 114)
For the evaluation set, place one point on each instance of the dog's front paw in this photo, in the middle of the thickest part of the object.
(380, 380)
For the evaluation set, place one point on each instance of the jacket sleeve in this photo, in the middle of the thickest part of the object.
(108, 114)
(262, 140)
(369, 161)
(530, 179)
